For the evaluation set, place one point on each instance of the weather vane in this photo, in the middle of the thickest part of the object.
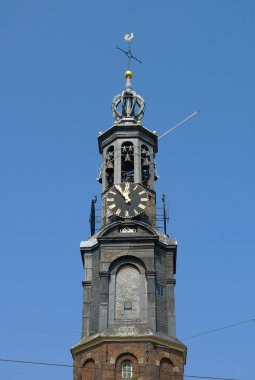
(128, 38)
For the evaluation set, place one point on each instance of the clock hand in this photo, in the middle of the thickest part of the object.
(118, 187)
(127, 199)
(127, 192)
(124, 193)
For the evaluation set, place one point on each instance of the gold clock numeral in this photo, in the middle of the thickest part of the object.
(118, 212)
(144, 199)
(142, 192)
(110, 199)
(136, 212)
(112, 192)
(112, 206)
(126, 213)
(141, 206)
(136, 187)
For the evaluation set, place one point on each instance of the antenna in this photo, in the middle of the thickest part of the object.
(128, 38)
(178, 124)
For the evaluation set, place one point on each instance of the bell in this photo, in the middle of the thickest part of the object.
(146, 162)
(109, 166)
(127, 158)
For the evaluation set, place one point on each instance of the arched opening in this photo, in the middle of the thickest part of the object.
(127, 293)
(145, 165)
(109, 166)
(89, 370)
(127, 370)
(126, 367)
(166, 369)
(127, 162)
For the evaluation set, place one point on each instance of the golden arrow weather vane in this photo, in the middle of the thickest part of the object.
(128, 38)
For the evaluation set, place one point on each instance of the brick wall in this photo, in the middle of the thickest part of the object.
(150, 361)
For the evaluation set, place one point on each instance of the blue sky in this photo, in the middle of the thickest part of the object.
(59, 71)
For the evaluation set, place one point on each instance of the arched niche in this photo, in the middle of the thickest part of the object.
(109, 167)
(126, 367)
(127, 291)
(89, 370)
(127, 294)
(127, 162)
(145, 165)
(166, 369)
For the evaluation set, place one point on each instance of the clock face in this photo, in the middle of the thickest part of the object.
(127, 199)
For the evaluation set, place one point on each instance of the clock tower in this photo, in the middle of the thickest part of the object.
(128, 317)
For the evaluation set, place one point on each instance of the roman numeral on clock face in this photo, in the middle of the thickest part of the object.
(142, 206)
(112, 206)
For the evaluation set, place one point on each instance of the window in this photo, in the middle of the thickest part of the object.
(127, 162)
(109, 166)
(145, 165)
(160, 290)
(127, 305)
(127, 370)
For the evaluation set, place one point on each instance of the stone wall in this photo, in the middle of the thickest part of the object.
(95, 295)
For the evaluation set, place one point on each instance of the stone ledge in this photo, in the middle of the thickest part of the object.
(134, 333)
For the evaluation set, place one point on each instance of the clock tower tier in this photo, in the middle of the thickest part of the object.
(128, 150)
(128, 302)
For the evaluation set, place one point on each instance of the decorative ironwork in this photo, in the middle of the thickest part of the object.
(94, 219)
(128, 38)
(164, 217)
(128, 104)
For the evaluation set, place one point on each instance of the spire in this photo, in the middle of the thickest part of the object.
(128, 104)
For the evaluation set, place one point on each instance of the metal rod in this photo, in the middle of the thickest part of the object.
(178, 124)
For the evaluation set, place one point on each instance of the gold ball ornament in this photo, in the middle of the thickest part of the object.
(128, 74)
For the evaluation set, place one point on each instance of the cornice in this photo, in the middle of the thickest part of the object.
(83, 346)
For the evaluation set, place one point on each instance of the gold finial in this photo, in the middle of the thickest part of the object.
(128, 74)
